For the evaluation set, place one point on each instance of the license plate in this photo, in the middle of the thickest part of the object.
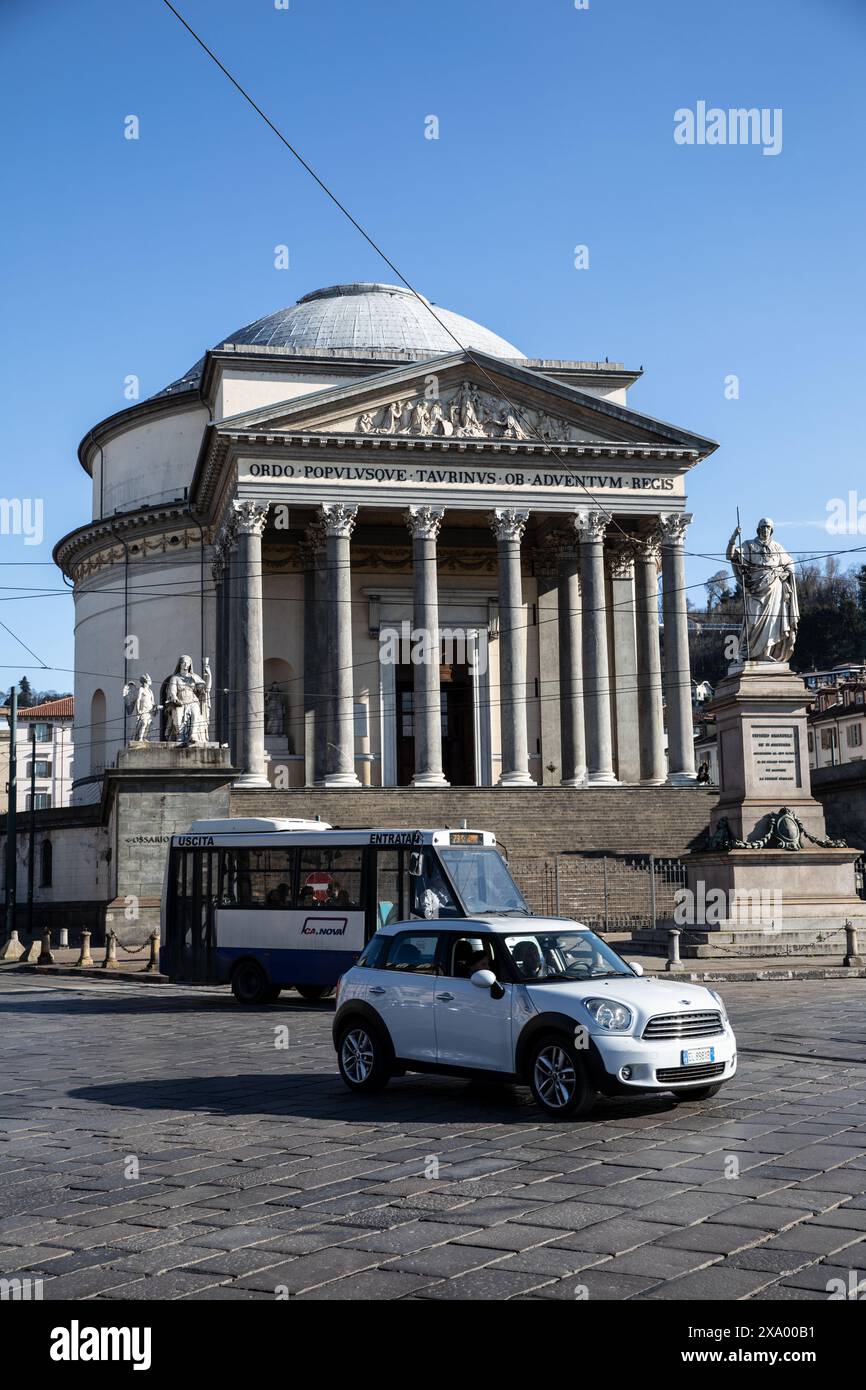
(698, 1054)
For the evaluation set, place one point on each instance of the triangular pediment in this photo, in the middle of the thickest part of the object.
(465, 397)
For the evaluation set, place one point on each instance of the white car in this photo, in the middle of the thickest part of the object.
(538, 1001)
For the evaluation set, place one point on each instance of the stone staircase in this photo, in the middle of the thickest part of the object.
(527, 821)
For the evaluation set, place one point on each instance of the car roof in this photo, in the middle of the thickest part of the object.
(506, 926)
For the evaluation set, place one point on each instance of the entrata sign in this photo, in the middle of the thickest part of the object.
(526, 479)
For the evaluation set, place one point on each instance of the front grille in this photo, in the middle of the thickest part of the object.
(704, 1073)
(691, 1025)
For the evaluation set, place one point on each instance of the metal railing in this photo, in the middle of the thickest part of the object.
(609, 892)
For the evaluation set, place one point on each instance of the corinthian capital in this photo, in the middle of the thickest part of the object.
(249, 517)
(508, 524)
(591, 525)
(619, 561)
(648, 548)
(338, 519)
(672, 527)
(424, 522)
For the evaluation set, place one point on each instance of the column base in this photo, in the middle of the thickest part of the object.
(682, 779)
(341, 779)
(579, 780)
(602, 779)
(652, 781)
(430, 779)
(516, 779)
(251, 779)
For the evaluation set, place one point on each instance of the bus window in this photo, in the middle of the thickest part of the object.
(430, 894)
(257, 877)
(387, 887)
(330, 877)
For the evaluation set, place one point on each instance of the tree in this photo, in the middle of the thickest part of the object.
(25, 693)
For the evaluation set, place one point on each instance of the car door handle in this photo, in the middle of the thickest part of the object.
(377, 989)
(445, 997)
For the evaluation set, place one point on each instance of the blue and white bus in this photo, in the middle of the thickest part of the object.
(270, 904)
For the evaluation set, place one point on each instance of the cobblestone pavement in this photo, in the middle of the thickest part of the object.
(157, 1142)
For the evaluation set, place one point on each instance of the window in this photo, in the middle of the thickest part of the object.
(388, 901)
(466, 954)
(40, 802)
(828, 739)
(811, 742)
(43, 768)
(413, 953)
(330, 877)
(44, 733)
(431, 896)
(855, 735)
(257, 877)
(46, 855)
(375, 953)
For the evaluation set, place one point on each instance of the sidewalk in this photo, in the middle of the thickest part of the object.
(129, 967)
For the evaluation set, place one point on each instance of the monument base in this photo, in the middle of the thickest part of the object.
(760, 709)
(772, 890)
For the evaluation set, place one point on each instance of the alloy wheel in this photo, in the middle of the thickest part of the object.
(555, 1076)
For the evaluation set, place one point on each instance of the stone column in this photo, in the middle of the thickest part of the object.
(678, 679)
(620, 571)
(249, 749)
(572, 736)
(653, 767)
(219, 565)
(591, 527)
(339, 522)
(424, 523)
(312, 554)
(508, 527)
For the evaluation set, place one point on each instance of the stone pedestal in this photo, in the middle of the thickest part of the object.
(760, 711)
(779, 892)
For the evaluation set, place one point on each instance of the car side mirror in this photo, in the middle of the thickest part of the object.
(483, 979)
(636, 966)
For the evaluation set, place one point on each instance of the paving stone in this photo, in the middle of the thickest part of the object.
(717, 1282)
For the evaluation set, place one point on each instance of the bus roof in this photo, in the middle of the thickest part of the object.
(265, 831)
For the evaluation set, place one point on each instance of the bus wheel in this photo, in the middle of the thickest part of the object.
(250, 984)
(313, 992)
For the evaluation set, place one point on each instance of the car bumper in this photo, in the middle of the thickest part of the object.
(627, 1063)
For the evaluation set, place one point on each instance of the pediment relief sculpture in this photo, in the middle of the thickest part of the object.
(466, 412)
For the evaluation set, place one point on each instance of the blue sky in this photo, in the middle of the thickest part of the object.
(556, 129)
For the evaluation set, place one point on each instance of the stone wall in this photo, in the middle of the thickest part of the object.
(842, 793)
(527, 821)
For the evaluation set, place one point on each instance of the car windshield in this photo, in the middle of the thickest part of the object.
(563, 955)
(483, 882)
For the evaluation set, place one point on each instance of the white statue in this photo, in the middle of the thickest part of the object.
(144, 707)
(466, 412)
(766, 572)
(187, 703)
(275, 711)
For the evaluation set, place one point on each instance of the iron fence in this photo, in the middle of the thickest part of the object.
(608, 892)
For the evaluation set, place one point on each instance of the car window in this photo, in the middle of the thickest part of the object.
(466, 954)
(374, 952)
(413, 953)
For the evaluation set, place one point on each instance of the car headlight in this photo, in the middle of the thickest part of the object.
(616, 1018)
(721, 1003)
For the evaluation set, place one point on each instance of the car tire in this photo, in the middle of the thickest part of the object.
(314, 992)
(558, 1079)
(699, 1092)
(362, 1057)
(250, 984)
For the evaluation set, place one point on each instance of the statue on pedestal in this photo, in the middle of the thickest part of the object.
(275, 711)
(186, 700)
(144, 707)
(766, 573)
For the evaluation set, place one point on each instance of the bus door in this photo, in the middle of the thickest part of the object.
(191, 925)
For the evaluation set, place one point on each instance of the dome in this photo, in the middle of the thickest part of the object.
(387, 318)
(359, 318)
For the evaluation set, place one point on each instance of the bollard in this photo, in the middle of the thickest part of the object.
(12, 949)
(64, 937)
(45, 956)
(153, 963)
(852, 947)
(34, 951)
(85, 959)
(673, 961)
(110, 962)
